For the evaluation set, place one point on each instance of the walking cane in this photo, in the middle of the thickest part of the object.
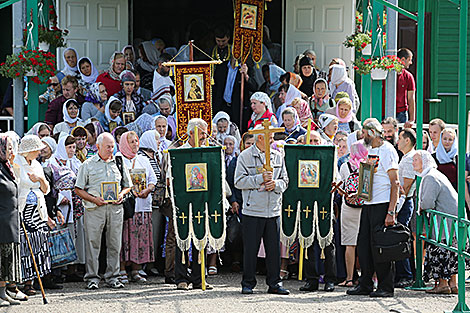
(44, 300)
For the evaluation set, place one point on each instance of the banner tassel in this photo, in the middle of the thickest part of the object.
(183, 261)
(322, 256)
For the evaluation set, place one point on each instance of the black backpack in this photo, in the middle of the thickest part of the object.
(392, 243)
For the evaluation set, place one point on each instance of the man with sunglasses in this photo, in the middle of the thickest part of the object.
(54, 90)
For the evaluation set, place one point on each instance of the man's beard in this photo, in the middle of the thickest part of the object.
(391, 139)
(367, 142)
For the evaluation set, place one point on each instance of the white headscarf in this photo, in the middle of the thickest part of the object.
(326, 119)
(338, 75)
(61, 152)
(50, 142)
(428, 162)
(106, 110)
(148, 140)
(262, 97)
(235, 142)
(35, 129)
(152, 55)
(168, 98)
(67, 117)
(442, 155)
(67, 70)
(94, 71)
(221, 115)
(15, 138)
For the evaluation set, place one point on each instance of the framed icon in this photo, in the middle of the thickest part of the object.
(109, 191)
(128, 117)
(249, 14)
(366, 178)
(139, 179)
(309, 174)
(196, 177)
(193, 87)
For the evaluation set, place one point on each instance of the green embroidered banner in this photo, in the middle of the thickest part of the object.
(307, 205)
(197, 185)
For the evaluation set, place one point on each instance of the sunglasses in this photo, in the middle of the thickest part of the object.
(53, 84)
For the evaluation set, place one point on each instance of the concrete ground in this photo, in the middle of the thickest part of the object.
(155, 296)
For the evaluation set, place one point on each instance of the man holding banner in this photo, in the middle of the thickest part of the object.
(262, 182)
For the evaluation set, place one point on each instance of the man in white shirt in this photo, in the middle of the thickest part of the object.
(406, 174)
(378, 211)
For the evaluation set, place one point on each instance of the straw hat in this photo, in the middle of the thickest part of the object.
(30, 143)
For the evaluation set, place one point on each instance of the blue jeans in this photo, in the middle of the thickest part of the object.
(402, 268)
(402, 117)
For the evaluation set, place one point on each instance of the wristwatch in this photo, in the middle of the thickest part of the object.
(392, 213)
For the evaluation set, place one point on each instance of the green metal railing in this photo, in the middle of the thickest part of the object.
(372, 106)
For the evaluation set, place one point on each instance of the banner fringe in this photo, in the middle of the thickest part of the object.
(308, 241)
(289, 240)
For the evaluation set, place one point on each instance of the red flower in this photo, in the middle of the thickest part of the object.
(51, 6)
(356, 68)
(17, 74)
(363, 44)
(3, 63)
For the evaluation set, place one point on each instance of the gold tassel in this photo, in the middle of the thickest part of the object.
(236, 63)
(212, 81)
(171, 71)
(182, 257)
(322, 256)
(265, 6)
(257, 65)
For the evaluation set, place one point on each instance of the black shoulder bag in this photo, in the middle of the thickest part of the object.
(128, 202)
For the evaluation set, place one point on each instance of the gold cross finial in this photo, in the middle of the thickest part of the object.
(323, 212)
(267, 146)
(215, 216)
(199, 216)
(289, 211)
(306, 211)
(183, 217)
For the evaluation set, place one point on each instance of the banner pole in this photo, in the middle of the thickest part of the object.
(309, 130)
(203, 267)
(301, 258)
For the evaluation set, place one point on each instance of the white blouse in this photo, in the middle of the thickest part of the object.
(25, 184)
(141, 162)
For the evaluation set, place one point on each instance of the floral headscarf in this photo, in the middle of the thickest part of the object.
(93, 95)
(111, 71)
(35, 129)
(428, 162)
(357, 154)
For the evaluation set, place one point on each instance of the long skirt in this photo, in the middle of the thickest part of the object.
(10, 268)
(38, 232)
(439, 263)
(137, 239)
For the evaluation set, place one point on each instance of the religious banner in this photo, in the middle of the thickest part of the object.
(197, 187)
(248, 30)
(193, 94)
(307, 204)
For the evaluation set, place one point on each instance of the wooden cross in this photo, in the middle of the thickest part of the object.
(215, 215)
(199, 216)
(289, 211)
(306, 210)
(323, 212)
(183, 217)
(267, 146)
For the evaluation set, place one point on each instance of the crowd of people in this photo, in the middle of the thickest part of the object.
(53, 176)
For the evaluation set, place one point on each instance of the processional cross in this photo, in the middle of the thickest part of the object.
(267, 146)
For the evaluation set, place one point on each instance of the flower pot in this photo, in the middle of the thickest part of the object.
(44, 46)
(31, 73)
(378, 74)
(367, 50)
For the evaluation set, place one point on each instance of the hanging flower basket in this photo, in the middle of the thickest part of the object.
(358, 40)
(53, 36)
(367, 49)
(39, 64)
(378, 74)
(44, 46)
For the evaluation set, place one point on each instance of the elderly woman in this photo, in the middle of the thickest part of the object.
(40, 129)
(262, 110)
(111, 117)
(10, 268)
(70, 111)
(291, 123)
(110, 78)
(48, 151)
(329, 126)
(137, 235)
(339, 81)
(347, 120)
(320, 101)
(231, 151)
(437, 193)
(94, 101)
(225, 127)
(351, 212)
(70, 58)
(32, 186)
(446, 155)
(303, 111)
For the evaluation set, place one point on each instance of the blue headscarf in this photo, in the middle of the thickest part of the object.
(231, 76)
(442, 155)
(275, 73)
